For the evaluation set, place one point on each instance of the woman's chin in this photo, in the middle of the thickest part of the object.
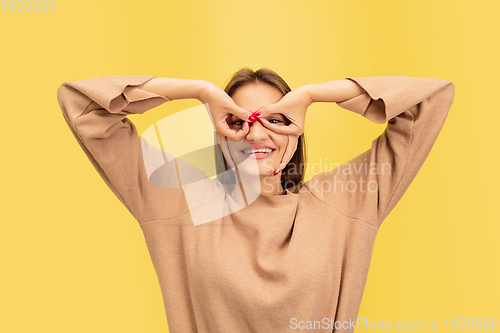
(260, 171)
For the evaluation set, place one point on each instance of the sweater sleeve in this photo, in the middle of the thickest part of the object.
(370, 185)
(95, 110)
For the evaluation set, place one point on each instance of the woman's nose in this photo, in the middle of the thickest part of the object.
(257, 132)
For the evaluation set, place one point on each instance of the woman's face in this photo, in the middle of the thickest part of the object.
(252, 97)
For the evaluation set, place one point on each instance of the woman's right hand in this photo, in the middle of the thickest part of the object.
(220, 107)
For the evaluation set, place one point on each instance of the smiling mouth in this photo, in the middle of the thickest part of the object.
(260, 151)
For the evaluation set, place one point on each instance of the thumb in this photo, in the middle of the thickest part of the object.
(268, 109)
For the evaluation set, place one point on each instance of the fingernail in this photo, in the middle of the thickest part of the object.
(253, 116)
(260, 121)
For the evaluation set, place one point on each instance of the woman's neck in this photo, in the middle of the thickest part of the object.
(268, 185)
(271, 185)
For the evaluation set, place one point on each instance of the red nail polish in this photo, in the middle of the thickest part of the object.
(260, 121)
(253, 116)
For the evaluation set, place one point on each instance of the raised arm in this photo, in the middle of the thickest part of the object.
(96, 109)
(370, 185)
(294, 106)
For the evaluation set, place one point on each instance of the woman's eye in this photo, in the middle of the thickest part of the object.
(240, 122)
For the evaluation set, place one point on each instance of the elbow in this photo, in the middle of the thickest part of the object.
(449, 92)
(449, 88)
(62, 99)
(64, 96)
(60, 94)
(72, 102)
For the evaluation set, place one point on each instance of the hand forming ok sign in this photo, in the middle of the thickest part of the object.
(293, 106)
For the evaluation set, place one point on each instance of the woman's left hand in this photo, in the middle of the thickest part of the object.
(293, 106)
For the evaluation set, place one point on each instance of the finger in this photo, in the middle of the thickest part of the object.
(243, 132)
(288, 154)
(233, 134)
(296, 122)
(291, 129)
(269, 109)
(240, 113)
(236, 135)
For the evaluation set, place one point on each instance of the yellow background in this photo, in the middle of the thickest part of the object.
(73, 259)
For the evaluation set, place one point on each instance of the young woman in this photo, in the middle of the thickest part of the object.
(271, 253)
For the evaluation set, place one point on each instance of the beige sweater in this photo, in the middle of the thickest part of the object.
(283, 262)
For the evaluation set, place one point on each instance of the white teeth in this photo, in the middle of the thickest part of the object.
(258, 151)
